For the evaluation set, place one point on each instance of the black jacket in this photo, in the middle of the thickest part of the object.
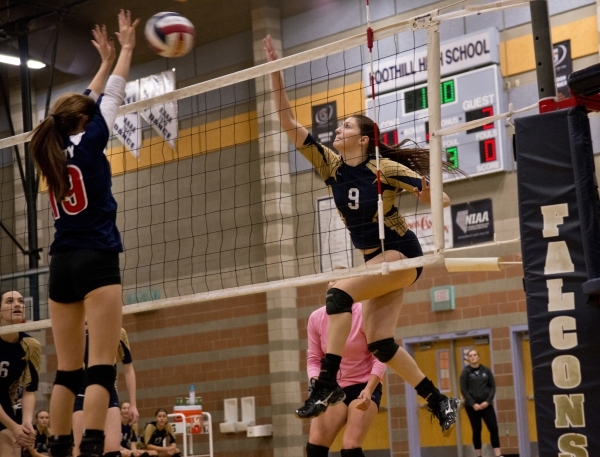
(477, 385)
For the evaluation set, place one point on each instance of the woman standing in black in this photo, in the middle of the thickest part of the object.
(478, 388)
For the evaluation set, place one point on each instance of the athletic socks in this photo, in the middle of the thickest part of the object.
(429, 392)
(92, 444)
(314, 450)
(330, 365)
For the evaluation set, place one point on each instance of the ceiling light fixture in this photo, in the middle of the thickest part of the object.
(16, 61)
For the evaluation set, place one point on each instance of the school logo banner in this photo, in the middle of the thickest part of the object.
(563, 329)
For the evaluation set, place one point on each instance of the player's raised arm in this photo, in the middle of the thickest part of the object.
(106, 48)
(126, 37)
(295, 131)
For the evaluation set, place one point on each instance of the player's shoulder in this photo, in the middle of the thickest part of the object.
(29, 342)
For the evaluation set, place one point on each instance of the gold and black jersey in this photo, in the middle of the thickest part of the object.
(20, 364)
(154, 436)
(355, 191)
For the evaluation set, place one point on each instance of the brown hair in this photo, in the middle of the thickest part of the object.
(47, 144)
(415, 158)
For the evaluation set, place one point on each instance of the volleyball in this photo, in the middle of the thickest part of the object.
(170, 34)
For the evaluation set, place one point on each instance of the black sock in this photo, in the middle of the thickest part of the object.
(314, 450)
(61, 445)
(428, 391)
(92, 443)
(113, 454)
(330, 365)
(354, 452)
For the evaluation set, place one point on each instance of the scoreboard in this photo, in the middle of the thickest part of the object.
(465, 97)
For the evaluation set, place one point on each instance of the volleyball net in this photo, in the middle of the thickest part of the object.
(213, 199)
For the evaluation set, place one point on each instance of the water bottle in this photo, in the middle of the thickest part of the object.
(192, 395)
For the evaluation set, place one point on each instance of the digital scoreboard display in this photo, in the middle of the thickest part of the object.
(465, 97)
(415, 100)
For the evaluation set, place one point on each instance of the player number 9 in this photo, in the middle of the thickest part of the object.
(353, 197)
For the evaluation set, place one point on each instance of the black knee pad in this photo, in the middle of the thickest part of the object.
(103, 375)
(355, 452)
(384, 350)
(72, 380)
(314, 450)
(337, 302)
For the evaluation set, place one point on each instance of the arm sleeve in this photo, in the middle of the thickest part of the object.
(399, 176)
(325, 161)
(314, 353)
(114, 93)
(463, 388)
(33, 353)
(92, 94)
(492, 386)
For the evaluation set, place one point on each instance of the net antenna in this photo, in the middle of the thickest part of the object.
(380, 214)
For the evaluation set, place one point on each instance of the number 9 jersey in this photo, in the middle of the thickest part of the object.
(86, 218)
(355, 192)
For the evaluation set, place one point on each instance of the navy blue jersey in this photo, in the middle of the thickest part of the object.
(87, 218)
(355, 191)
(20, 364)
(128, 435)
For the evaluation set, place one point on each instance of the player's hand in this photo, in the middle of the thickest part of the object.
(24, 437)
(476, 407)
(424, 195)
(365, 400)
(134, 415)
(484, 405)
(104, 45)
(126, 33)
(269, 49)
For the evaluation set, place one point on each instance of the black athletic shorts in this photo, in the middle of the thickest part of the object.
(113, 401)
(353, 391)
(74, 274)
(408, 245)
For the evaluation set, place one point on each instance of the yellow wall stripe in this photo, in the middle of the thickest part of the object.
(517, 55)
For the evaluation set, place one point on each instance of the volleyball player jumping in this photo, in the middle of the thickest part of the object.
(85, 281)
(352, 178)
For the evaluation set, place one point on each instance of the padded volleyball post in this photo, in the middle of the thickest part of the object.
(586, 186)
(565, 347)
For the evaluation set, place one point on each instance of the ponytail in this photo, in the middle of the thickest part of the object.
(414, 157)
(47, 140)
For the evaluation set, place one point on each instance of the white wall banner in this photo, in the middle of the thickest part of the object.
(421, 224)
(163, 117)
(409, 68)
(335, 245)
(127, 128)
